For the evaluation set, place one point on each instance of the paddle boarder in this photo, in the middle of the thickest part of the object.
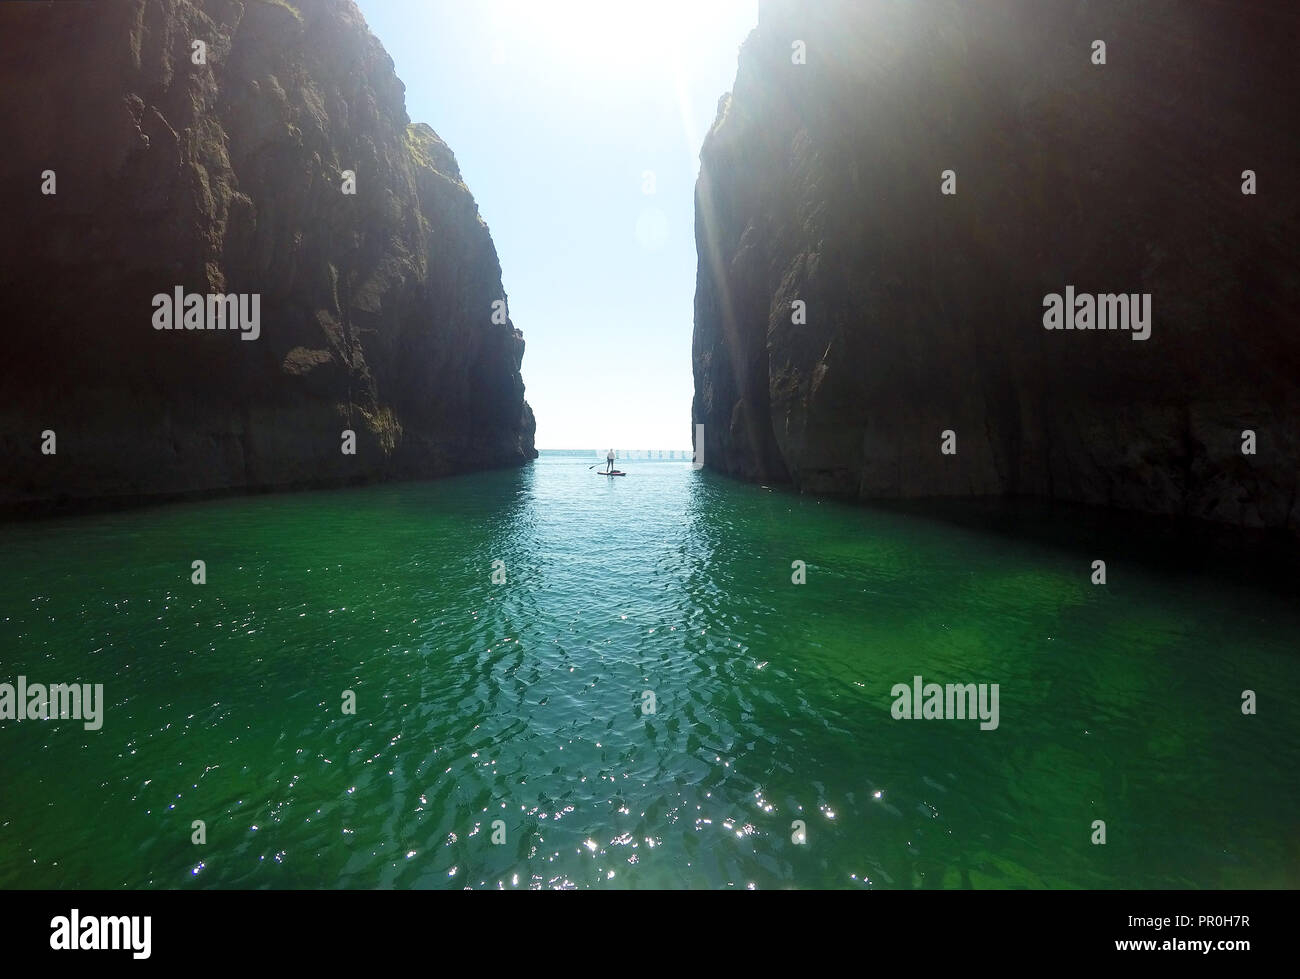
(609, 461)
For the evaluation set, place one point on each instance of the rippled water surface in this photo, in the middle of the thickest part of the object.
(522, 702)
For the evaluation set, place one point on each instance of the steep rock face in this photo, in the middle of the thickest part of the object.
(820, 182)
(376, 309)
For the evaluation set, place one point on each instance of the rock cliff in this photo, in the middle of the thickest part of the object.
(822, 183)
(219, 169)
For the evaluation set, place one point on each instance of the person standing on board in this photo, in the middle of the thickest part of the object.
(609, 461)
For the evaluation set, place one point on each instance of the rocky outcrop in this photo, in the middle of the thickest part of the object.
(227, 177)
(821, 183)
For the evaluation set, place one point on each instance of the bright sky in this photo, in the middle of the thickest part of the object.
(555, 110)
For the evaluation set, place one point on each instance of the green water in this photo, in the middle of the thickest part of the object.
(522, 702)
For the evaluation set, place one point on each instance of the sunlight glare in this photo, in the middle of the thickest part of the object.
(607, 34)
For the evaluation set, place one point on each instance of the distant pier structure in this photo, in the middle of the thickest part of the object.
(667, 455)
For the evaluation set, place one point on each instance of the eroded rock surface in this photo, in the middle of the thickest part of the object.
(226, 177)
(821, 183)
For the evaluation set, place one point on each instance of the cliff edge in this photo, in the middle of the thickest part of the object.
(169, 148)
(855, 302)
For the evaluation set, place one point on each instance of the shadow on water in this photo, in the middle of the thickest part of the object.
(1173, 546)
